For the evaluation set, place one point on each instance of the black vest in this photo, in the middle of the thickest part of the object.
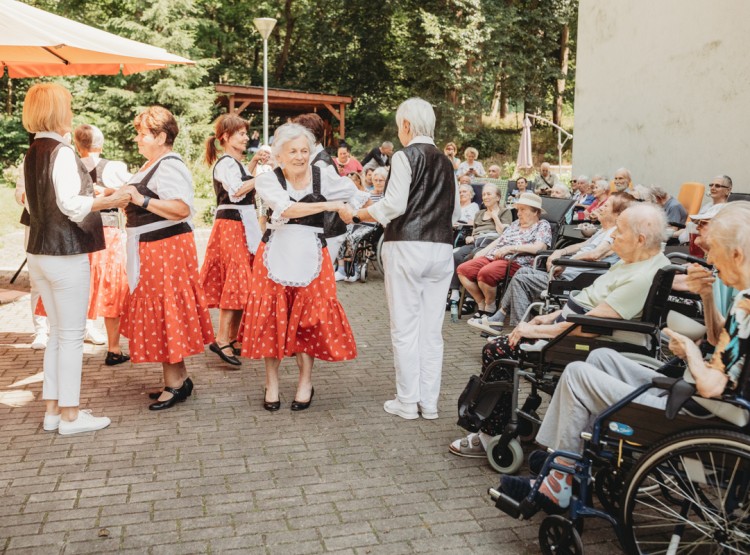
(314, 220)
(222, 197)
(333, 225)
(138, 216)
(432, 197)
(50, 231)
(109, 216)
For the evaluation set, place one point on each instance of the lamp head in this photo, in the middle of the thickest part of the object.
(264, 25)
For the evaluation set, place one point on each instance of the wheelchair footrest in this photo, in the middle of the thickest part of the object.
(523, 510)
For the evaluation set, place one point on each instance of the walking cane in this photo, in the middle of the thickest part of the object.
(18, 271)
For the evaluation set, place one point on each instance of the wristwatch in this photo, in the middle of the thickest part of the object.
(356, 220)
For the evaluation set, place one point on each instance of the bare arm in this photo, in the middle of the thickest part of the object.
(709, 382)
(700, 280)
(301, 209)
(174, 209)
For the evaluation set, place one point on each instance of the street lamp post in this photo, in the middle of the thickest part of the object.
(265, 25)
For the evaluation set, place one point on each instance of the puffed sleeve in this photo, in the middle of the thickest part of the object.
(172, 181)
(273, 195)
(115, 174)
(336, 187)
(228, 173)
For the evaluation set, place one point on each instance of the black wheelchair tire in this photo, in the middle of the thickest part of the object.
(558, 536)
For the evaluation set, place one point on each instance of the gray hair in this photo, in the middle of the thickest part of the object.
(471, 149)
(562, 188)
(647, 220)
(583, 179)
(494, 189)
(728, 227)
(642, 193)
(602, 184)
(726, 181)
(626, 172)
(387, 144)
(381, 172)
(658, 192)
(97, 138)
(419, 114)
(466, 187)
(289, 132)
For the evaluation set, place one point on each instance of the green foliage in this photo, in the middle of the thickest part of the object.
(488, 140)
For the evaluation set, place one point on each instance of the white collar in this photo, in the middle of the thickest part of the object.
(52, 135)
(422, 139)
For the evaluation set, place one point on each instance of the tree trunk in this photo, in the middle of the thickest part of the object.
(560, 86)
(497, 93)
(503, 102)
(9, 100)
(289, 29)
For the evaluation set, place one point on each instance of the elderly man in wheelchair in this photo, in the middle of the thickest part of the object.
(690, 492)
(620, 294)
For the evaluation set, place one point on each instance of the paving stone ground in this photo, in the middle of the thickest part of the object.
(218, 474)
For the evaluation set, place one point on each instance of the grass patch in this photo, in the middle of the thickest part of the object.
(10, 212)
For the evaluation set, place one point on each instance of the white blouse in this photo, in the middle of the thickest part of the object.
(171, 181)
(115, 173)
(227, 172)
(332, 186)
(464, 167)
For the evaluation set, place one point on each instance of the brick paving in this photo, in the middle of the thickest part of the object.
(218, 474)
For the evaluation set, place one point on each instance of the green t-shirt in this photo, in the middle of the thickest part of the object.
(624, 287)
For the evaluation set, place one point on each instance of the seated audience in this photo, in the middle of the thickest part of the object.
(471, 166)
(559, 191)
(545, 180)
(600, 190)
(379, 178)
(673, 208)
(488, 224)
(526, 236)
(522, 186)
(368, 178)
(587, 388)
(619, 293)
(623, 180)
(345, 162)
(469, 209)
(719, 189)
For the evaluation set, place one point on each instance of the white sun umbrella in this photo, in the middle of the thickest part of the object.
(524, 160)
(35, 43)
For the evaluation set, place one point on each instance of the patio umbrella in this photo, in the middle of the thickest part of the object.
(35, 43)
(524, 160)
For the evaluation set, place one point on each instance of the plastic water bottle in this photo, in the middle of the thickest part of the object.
(454, 311)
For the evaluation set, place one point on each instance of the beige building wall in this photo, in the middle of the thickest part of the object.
(663, 88)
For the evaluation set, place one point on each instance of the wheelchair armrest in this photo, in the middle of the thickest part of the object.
(540, 257)
(689, 258)
(664, 382)
(677, 225)
(572, 262)
(612, 324)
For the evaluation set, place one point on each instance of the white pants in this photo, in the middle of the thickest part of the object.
(63, 283)
(334, 246)
(417, 276)
(40, 322)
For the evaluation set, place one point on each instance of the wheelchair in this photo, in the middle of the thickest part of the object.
(491, 402)
(365, 253)
(669, 481)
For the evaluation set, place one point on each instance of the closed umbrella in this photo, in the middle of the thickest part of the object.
(35, 43)
(524, 160)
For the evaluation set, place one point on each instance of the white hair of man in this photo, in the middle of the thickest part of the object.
(626, 172)
(386, 144)
(420, 115)
(289, 132)
(382, 172)
(647, 220)
(97, 138)
(726, 227)
(643, 193)
(583, 179)
(466, 187)
(658, 193)
(602, 185)
(560, 191)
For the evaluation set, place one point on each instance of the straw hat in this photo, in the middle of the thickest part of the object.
(530, 199)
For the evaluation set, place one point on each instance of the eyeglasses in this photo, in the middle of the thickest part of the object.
(718, 185)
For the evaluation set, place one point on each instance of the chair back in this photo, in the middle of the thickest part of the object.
(478, 194)
(738, 196)
(657, 302)
(512, 188)
(555, 210)
(691, 196)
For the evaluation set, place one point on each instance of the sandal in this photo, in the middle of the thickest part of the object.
(229, 359)
(470, 447)
(236, 350)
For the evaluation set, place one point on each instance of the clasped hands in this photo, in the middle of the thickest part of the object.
(346, 211)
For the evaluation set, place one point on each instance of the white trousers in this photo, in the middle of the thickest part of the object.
(40, 322)
(63, 283)
(334, 246)
(417, 276)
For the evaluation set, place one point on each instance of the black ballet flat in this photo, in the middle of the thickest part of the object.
(113, 359)
(229, 359)
(178, 395)
(269, 406)
(236, 350)
(298, 405)
(187, 385)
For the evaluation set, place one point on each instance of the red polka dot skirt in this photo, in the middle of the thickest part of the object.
(228, 266)
(109, 282)
(281, 321)
(166, 318)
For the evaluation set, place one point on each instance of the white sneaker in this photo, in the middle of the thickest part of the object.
(94, 336)
(352, 279)
(340, 276)
(40, 341)
(85, 422)
(427, 414)
(404, 410)
(51, 422)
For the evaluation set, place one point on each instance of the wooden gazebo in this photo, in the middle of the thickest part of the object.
(287, 103)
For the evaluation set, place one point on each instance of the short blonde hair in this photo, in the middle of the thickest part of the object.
(47, 108)
(473, 150)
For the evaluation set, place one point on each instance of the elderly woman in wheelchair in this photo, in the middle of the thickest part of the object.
(690, 492)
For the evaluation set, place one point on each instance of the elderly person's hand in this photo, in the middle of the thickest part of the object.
(556, 255)
(681, 346)
(346, 212)
(119, 198)
(521, 331)
(135, 197)
(699, 280)
(469, 240)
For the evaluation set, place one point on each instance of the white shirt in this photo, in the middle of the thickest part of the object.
(65, 179)
(171, 181)
(115, 173)
(396, 196)
(332, 187)
(464, 167)
(227, 172)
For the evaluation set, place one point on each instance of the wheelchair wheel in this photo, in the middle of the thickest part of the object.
(363, 272)
(558, 536)
(505, 460)
(608, 483)
(690, 494)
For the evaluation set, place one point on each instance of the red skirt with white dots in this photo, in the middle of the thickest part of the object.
(281, 321)
(166, 318)
(228, 266)
(109, 283)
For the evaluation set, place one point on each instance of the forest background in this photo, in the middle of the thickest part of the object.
(482, 63)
